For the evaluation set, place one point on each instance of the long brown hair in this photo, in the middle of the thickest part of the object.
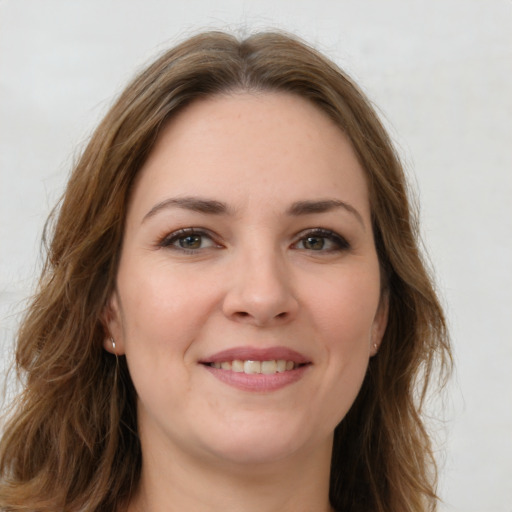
(71, 440)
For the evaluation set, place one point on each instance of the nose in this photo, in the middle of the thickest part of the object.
(260, 291)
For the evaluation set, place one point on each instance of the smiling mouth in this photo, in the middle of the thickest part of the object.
(259, 370)
(251, 367)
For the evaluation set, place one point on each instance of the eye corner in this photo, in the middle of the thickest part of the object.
(321, 241)
(189, 240)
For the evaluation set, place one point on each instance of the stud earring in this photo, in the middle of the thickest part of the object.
(375, 347)
(113, 344)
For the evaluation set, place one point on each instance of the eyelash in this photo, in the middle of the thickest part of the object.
(169, 241)
(339, 242)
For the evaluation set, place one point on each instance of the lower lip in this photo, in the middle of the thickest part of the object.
(258, 382)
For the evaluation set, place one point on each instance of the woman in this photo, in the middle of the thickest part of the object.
(234, 314)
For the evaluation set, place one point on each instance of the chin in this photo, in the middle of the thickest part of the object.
(257, 453)
(262, 443)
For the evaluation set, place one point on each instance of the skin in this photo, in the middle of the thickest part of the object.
(256, 276)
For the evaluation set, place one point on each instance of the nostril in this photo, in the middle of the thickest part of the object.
(245, 315)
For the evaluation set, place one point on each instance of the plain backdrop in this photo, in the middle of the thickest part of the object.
(440, 73)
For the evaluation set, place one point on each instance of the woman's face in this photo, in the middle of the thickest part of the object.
(248, 292)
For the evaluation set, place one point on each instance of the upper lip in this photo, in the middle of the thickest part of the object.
(256, 354)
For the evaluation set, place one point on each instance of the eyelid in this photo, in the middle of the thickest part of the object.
(167, 240)
(342, 244)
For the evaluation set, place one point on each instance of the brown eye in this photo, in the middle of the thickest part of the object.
(321, 240)
(190, 242)
(313, 243)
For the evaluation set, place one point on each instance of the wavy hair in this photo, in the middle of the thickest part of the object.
(71, 442)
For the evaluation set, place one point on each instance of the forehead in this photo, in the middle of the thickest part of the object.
(252, 146)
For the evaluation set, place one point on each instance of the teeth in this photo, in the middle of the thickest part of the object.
(251, 367)
(237, 366)
(268, 367)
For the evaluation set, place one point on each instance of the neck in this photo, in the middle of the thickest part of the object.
(178, 483)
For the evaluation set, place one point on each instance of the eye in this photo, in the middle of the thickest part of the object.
(188, 240)
(321, 240)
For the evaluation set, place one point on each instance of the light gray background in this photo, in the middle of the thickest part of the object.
(441, 74)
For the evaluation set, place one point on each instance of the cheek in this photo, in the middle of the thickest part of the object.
(347, 309)
(162, 306)
(343, 318)
(163, 311)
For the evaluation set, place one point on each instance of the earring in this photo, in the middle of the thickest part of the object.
(375, 347)
(113, 344)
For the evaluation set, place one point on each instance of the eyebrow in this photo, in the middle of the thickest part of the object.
(322, 206)
(214, 207)
(195, 204)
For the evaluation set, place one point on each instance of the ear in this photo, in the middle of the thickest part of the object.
(111, 319)
(380, 323)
